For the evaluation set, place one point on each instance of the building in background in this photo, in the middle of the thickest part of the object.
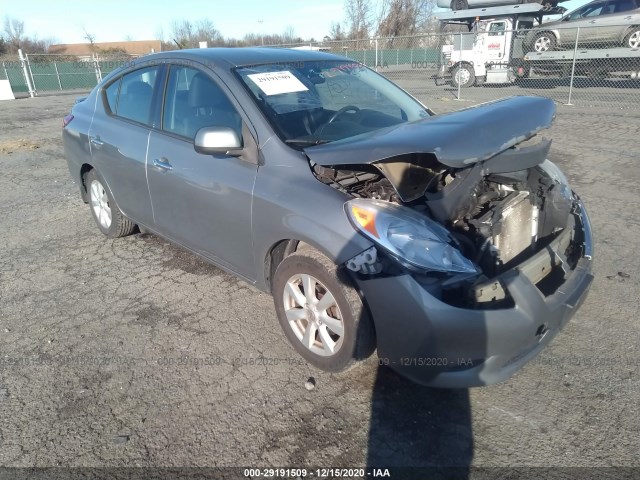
(133, 48)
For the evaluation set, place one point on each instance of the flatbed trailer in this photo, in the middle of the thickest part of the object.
(493, 51)
(596, 62)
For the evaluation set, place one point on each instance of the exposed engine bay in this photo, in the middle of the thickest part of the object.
(498, 217)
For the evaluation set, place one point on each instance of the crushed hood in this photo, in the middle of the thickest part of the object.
(457, 139)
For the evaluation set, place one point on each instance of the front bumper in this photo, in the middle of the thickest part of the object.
(436, 344)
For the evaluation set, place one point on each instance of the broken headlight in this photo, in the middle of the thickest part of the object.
(414, 240)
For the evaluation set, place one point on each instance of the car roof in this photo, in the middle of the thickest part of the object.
(238, 57)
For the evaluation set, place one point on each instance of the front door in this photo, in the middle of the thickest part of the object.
(496, 45)
(201, 201)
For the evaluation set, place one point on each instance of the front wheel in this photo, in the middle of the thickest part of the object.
(463, 75)
(320, 313)
(632, 39)
(104, 210)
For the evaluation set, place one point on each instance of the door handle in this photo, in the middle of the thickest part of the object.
(592, 21)
(162, 164)
(96, 141)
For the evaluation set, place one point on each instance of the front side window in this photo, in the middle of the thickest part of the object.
(136, 94)
(320, 101)
(592, 10)
(497, 29)
(193, 101)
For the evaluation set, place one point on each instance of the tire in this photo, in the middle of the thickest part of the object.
(544, 42)
(309, 329)
(104, 210)
(459, 5)
(463, 73)
(632, 39)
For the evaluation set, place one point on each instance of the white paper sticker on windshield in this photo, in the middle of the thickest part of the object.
(274, 83)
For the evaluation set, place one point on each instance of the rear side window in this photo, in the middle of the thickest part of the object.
(624, 5)
(136, 93)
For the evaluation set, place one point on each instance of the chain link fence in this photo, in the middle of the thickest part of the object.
(586, 66)
(36, 73)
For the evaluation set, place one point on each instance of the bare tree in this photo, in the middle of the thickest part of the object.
(14, 32)
(358, 14)
(188, 35)
(207, 32)
(91, 40)
(404, 17)
(182, 33)
(337, 32)
(14, 37)
(289, 35)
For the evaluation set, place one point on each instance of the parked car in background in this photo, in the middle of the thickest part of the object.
(466, 4)
(601, 22)
(448, 242)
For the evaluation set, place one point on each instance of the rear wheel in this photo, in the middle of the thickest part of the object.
(463, 75)
(632, 39)
(544, 42)
(104, 210)
(320, 313)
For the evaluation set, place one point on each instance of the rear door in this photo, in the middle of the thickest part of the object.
(119, 138)
(615, 19)
(202, 201)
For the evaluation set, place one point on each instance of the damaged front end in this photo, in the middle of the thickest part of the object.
(464, 211)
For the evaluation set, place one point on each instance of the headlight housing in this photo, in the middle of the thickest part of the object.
(415, 241)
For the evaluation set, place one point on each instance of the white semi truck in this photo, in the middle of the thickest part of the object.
(493, 50)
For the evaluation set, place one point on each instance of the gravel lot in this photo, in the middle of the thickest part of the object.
(131, 352)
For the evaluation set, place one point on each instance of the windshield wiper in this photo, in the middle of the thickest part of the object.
(301, 141)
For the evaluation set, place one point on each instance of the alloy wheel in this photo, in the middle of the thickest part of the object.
(100, 204)
(313, 314)
(542, 44)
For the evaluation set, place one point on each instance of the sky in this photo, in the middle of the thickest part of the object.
(113, 20)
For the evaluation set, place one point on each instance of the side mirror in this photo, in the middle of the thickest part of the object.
(211, 140)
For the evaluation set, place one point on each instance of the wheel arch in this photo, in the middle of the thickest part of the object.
(84, 169)
(281, 250)
(628, 32)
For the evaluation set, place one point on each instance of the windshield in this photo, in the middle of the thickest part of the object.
(308, 103)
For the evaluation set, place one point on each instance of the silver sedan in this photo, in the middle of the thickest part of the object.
(601, 22)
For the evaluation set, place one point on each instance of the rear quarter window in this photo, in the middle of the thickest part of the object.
(111, 96)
